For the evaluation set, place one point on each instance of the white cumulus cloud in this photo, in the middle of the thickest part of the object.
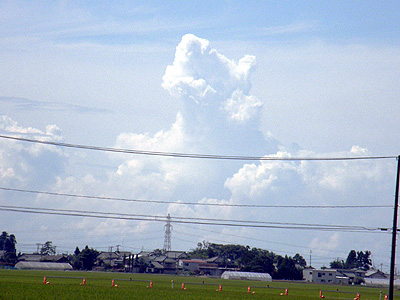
(23, 163)
(201, 74)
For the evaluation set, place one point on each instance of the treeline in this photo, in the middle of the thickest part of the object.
(355, 260)
(249, 259)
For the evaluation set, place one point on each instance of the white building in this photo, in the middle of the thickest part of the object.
(320, 276)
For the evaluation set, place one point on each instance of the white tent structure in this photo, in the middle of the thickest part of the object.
(35, 265)
(246, 276)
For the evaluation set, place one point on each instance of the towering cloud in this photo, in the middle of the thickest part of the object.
(202, 75)
(215, 92)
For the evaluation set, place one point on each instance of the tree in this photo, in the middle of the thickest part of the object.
(337, 264)
(363, 260)
(358, 280)
(287, 269)
(351, 261)
(48, 248)
(355, 260)
(141, 264)
(359, 260)
(8, 244)
(85, 259)
(253, 260)
(300, 260)
(3, 237)
(258, 260)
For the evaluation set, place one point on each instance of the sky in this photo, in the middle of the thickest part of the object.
(282, 79)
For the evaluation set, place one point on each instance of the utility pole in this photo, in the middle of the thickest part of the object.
(394, 233)
(38, 246)
(167, 236)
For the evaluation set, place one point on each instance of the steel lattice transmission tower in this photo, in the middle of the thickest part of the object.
(167, 236)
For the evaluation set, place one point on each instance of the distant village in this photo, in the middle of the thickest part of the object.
(180, 262)
(207, 259)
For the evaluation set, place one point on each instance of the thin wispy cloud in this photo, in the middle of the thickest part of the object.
(300, 27)
(32, 105)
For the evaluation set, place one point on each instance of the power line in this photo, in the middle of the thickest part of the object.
(254, 239)
(194, 155)
(189, 203)
(163, 218)
(182, 220)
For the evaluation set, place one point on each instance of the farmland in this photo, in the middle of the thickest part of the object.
(18, 284)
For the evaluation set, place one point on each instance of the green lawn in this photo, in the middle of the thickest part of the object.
(19, 284)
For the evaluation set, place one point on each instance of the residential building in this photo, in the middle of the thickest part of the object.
(155, 262)
(320, 275)
(200, 267)
(35, 257)
(375, 274)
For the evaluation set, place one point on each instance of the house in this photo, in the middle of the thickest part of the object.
(351, 274)
(159, 262)
(35, 257)
(59, 258)
(155, 267)
(30, 257)
(199, 266)
(216, 260)
(107, 258)
(169, 261)
(176, 255)
(121, 260)
(340, 276)
(375, 274)
(320, 276)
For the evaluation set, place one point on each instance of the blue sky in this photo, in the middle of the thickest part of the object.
(280, 78)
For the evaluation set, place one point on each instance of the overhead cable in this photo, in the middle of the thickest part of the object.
(189, 203)
(194, 155)
(181, 220)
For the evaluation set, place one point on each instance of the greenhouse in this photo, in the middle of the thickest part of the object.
(246, 276)
(34, 265)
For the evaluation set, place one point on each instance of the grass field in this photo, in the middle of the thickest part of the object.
(20, 284)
